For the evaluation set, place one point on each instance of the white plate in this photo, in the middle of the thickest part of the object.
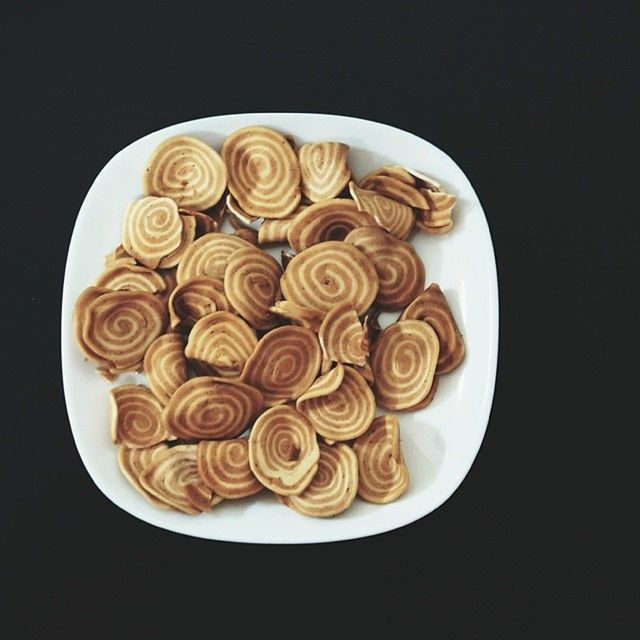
(439, 443)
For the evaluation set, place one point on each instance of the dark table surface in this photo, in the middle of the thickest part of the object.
(533, 102)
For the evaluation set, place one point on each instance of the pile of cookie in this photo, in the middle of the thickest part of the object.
(267, 374)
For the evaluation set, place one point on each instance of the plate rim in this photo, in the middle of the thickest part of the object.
(385, 525)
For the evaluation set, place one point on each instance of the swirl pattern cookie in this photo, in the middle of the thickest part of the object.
(186, 170)
(224, 467)
(208, 256)
(117, 327)
(326, 220)
(252, 286)
(207, 408)
(328, 274)
(397, 218)
(324, 169)
(165, 366)
(283, 450)
(189, 224)
(195, 298)
(284, 364)
(342, 414)
(431, 306)
(152, 229)
(310, 318)
(399, 268)
(342, 337)
(133, 463)
(264, 175)
(172, 477)
(438, 218)
(220, 344)
(122, 276)
(382, 474)
(135, 417)
(334, 486)
(404, 363)
(395, 189)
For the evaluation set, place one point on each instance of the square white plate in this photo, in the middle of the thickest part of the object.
(439, 443)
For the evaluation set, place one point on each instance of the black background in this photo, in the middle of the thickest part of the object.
(533, 100)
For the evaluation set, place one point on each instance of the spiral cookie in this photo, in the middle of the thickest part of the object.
(284, 364)
(252, 286)
(133, 463)
(324, 169)
(186, 170)
(392, 171)
(189, 224)
(275, 231)
(395, 217)
(224, 466)
(431, 306)
(220, 343)
(382, 474)
(165, 366)
(310, 318)
(395, 189)
(172, 477)
(283, 450)
(326, 383)
(334, 486)
(118, 326)
(404, 362)
(135, 417)
(344, 413)
(208, 256)
(152, 229)
(207, 408)
(438, 218)
(123, 276)
(194, 299)
(328, 274)
(423, 181)
(264, 175)
(327, 220)
(342, 337)
(399, 268)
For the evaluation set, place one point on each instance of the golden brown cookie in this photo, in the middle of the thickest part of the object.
(220, 344)
(383, 476)
(324, 169)
(121, 276)
(208, 408)
(135, 417)
(172, 477)
(165, 366)
(399, 268)
(404, 362)
(431, 306)
(310, 318)
(284, 364)
(252, 286)
(152, 229)
(195, 298)
(283, 450)
(264, 175)
(328, 274)
(186, 170)
(393, 216)
(133, 463)
(343, 413)
(224, 467)
(342, 337)
(334, 486)
(208, 256)
(326, 220)
(171, 260)
(395, 189)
